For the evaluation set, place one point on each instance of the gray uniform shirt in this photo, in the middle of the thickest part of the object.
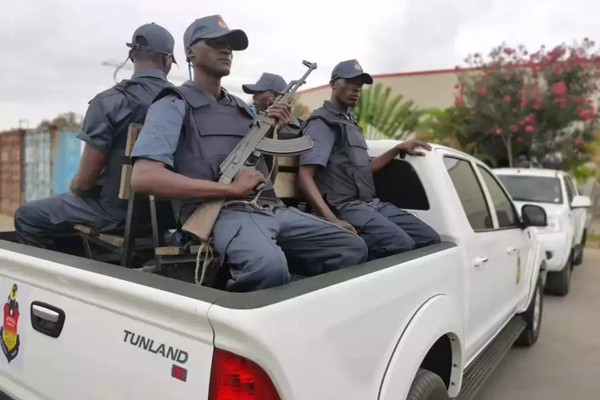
(105, 128)
(160, 134)
(109, 110)
(161, 138)
(341, 152)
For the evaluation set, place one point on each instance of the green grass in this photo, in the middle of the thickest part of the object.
(593, 238)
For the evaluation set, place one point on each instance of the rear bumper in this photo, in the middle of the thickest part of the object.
(557, 248)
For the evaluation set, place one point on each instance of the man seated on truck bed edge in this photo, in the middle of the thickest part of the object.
(337, 176)
(93, 198)
(264, 92)
(189, 131)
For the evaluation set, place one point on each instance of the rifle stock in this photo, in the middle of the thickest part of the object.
(204, 217)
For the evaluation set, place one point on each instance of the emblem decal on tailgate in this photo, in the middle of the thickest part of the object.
(168, 352)
(10, 323)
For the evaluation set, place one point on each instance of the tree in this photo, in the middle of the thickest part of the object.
(68, 122)
(449, 127)
(537, 104)
(444, 126)
(381, 116)
(593, 149)
(300, 110)
(592, 168)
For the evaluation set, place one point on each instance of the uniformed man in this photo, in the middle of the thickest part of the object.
(264, 92)
(337, 176)
(93, 199)
(523, 161)
(189, 131)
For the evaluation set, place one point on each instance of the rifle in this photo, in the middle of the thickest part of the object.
(247, 154)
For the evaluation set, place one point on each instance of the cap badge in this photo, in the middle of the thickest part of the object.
(221, 22)
(357, 66)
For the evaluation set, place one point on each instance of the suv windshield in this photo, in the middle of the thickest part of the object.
(536, 189)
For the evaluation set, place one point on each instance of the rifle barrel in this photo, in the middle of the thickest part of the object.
(295, 84)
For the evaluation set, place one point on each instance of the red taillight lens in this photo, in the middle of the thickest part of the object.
(236, 378)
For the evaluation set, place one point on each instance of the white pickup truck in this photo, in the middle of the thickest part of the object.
(430, 324)
(564, 237)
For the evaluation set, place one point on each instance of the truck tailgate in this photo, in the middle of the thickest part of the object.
(124, 334)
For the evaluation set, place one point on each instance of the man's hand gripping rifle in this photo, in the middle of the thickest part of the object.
(246, 155)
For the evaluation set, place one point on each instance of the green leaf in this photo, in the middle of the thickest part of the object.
(381, 116)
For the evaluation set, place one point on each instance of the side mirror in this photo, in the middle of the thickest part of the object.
(534, 215)
(581, 202)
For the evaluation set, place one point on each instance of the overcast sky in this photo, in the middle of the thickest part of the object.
(53, 50)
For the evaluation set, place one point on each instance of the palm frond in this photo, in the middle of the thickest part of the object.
(382, 116)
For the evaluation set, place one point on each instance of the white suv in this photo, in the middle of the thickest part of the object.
(564, 237)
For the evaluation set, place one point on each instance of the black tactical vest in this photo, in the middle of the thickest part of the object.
(291, 130)
(211, 130)
(347, 176)
(139, 93)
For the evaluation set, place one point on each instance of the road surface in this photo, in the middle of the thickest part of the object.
(565, 362)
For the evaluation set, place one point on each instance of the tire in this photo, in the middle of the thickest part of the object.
(427, 386)
(533, 317)
(579, 259)
(559, 282)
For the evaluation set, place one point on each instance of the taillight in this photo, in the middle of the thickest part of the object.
(236, 378)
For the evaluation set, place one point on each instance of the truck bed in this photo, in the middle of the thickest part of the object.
(134, 335)
(223, 298)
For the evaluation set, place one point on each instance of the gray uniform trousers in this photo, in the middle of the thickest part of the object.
(40, 222)
(386, 229)
(255, 244)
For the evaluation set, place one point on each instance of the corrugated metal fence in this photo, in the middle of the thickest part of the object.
(66, 160)
(35, 164)
(11, 156)
(37, 169)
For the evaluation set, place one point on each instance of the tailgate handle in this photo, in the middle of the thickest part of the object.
(47, 319)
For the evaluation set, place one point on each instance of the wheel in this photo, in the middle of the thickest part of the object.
(559, 282)
(579, 259)
(427, 386)
(533, 317)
